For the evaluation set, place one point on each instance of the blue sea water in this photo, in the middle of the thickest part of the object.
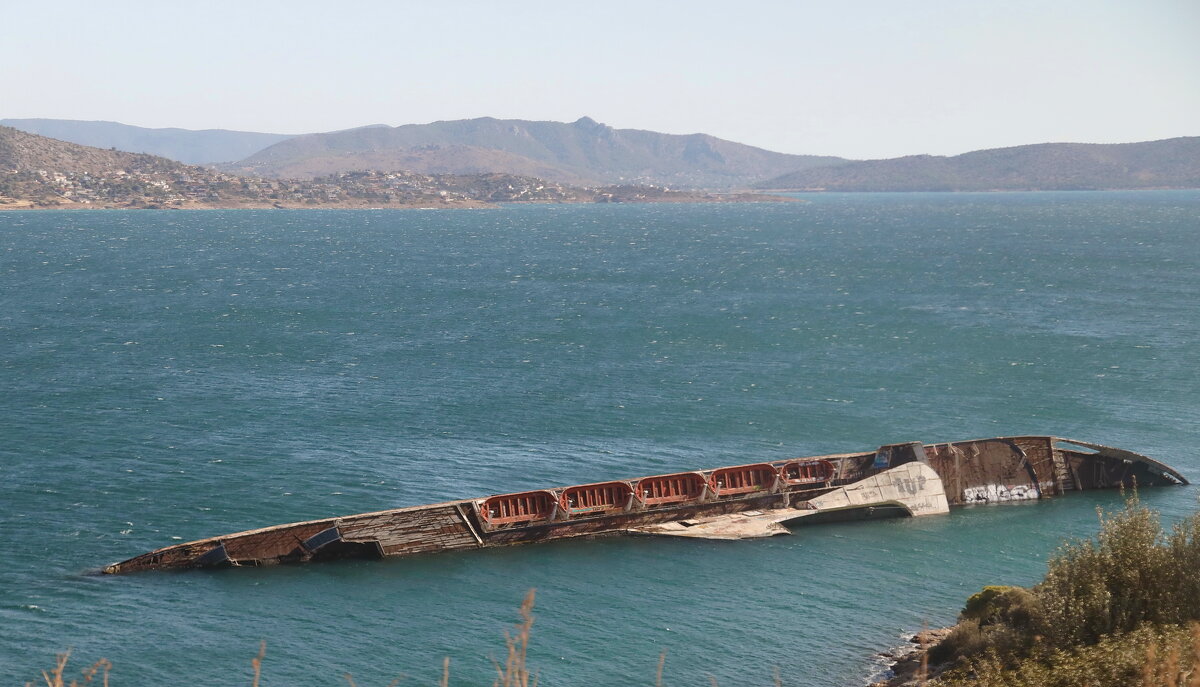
(168, 376)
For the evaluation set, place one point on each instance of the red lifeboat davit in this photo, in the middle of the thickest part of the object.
(743, 479)
(596, 499)
(799, 472)
(662, 490)
(514, 509)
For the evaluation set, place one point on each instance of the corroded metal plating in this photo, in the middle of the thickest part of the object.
(973, 471)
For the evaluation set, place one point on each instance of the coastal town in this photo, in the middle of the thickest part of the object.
(192, 188)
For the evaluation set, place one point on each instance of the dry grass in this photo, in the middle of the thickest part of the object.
(1151, 656)
(256, 662)
(923, 670)
(1180, 667)
(515, 672)
(54, 677)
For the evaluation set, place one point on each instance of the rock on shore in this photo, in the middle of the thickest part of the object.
(911, 668)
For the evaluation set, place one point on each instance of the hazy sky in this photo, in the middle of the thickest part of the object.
(858, 79)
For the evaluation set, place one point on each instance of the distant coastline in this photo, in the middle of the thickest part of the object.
(477, 163)
(1172, 164)
(680, 197)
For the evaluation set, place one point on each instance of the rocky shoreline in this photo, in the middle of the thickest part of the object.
(910, 667)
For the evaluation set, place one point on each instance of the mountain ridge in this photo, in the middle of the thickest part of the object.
(583, 151)
(586, 153)
(24, 152)
(40, 172)
(1166, 163)
(190, 146)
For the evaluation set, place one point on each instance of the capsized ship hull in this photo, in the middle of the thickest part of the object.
(756, 499)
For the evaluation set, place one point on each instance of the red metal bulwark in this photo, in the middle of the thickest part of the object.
(662, 490)
(742, 479)
(807, 471)
(596, 499)
(509, 509)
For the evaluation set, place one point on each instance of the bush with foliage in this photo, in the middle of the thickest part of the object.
(1133, 573)
(1108, 610)
(1150, 656)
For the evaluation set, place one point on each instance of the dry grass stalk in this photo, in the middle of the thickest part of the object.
(445, 672)
(54, 678)
(256, 662)
(1194, 680)
(1171, 669)
(103, 664)
(1148, 677)
(923, 671)
(662, 661)
(515, 672)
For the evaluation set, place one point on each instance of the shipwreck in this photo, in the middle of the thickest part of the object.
(742, 501)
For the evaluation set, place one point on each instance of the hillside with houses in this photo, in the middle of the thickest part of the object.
(39, 172)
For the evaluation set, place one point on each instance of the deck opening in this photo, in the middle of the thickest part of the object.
(524, 507)
(743, 479)
(596, 499)
(662, 490)
(799, 472)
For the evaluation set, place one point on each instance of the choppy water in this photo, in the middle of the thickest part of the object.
(175, 375)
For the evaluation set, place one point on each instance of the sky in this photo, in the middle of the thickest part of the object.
(859, 79)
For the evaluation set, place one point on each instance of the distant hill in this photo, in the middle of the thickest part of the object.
(25, 152)
(40, 172)
(185, 145)
(428, 159)
(579, 152)
(1170, 163)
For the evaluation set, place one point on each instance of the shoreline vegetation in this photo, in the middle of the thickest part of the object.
(1118, 610)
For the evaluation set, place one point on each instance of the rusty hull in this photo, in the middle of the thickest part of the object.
(974, 471)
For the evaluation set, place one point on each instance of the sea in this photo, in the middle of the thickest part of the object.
(174, 375)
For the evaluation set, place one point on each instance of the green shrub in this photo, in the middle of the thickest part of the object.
(1150, 656)
(981, 604)
(964, 641)
(1184, 582)
(1016, 607)
(1133, 573)
(970, 640)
